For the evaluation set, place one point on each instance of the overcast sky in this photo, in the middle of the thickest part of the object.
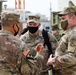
(35, 6)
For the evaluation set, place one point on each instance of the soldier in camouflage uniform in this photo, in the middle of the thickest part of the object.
(34, 37)
(64, 61)
(55, 30)
(12, 50)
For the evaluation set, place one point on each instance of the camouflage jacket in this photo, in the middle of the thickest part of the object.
(65, 63)
(12, 61)
(32, 41)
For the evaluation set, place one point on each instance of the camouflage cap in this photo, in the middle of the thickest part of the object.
(10, 16)
(55, 27)
(33, 18)
(68, 10)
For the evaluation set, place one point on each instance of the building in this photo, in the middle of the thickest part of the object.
(45, 23)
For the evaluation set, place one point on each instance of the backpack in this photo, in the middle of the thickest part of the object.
(47, 42)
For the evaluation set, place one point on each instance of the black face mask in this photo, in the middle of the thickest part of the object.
(32, 29)
(0, 27)
(16, 32)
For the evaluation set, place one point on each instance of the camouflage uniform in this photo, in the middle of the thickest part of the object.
(65, 60)
(32, 41)
(10, 54)
(12, 61)
(66, 55)
(12, 50)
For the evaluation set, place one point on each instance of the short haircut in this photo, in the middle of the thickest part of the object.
(9, 18)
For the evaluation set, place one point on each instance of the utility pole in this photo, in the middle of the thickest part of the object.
(50, 16)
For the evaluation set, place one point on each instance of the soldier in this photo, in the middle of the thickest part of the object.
(64, 61)
(34, 36)
(55, 30)
(13, 51)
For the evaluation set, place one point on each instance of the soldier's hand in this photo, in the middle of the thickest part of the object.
(39, 48)
(50, 60)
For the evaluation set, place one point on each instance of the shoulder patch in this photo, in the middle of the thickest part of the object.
(25, 52)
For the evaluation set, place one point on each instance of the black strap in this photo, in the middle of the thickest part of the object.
(24, 31)
(48, 43)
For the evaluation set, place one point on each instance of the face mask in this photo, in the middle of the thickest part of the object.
(16, 32)
(32, 29)
(0, 27)
(64, 24)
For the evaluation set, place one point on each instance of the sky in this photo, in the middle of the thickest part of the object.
(35, 6)
(40, 6)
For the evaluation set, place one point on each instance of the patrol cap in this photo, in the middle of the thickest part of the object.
(9, 16)
(32, 21)
(68, 10)
(55, 27)
(33, 18)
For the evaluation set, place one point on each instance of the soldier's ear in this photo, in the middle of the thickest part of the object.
(73, 17)
(14, 25)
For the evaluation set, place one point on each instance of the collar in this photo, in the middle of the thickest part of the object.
(6, 31)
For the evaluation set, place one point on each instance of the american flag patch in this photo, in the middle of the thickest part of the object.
(25, 52)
